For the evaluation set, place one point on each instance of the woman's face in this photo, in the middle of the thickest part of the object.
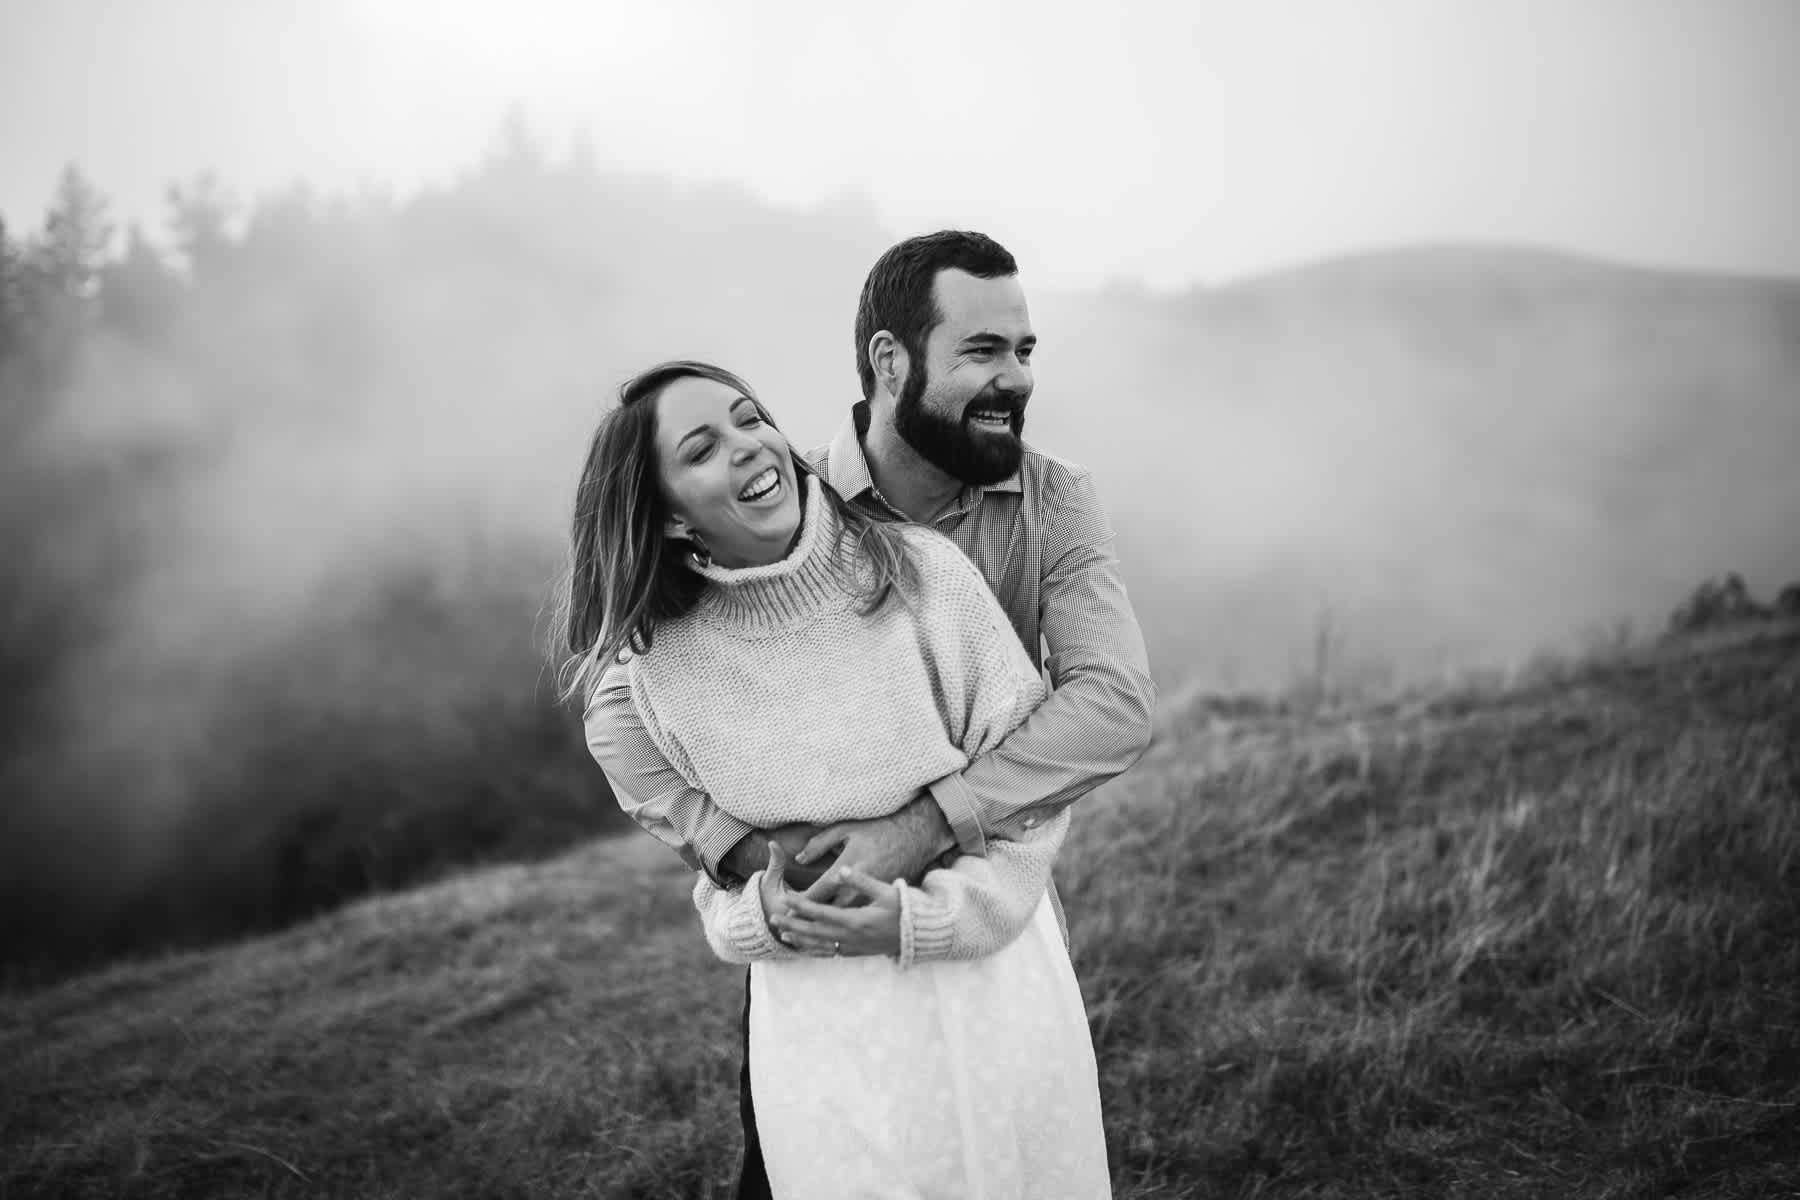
(727, 473)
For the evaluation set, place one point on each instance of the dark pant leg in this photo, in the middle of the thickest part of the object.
(753, 1180)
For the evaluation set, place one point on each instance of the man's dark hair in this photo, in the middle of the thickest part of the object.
(897, 294)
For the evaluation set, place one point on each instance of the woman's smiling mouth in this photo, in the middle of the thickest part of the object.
(761, 486)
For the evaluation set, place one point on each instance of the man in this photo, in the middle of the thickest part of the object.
(944, 345)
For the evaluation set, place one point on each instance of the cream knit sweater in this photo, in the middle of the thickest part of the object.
(778, 698)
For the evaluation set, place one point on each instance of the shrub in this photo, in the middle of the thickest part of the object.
(1717, 603)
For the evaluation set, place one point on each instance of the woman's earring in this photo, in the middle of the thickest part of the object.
(701, 555)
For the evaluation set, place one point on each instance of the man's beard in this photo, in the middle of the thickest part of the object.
(975, 457)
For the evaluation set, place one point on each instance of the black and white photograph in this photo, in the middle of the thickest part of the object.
(958, 600)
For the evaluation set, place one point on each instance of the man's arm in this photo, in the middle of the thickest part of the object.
(656, 796)
(1097, 720)
(1095, 723)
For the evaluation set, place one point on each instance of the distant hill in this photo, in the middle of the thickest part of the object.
(1507, 943)
(1465, 453)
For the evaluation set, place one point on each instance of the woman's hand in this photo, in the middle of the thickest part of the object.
(777, 896)
(825, 930)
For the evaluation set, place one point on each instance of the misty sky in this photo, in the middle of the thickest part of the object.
(1170, 142)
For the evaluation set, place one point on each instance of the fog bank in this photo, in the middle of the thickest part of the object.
(284, 519)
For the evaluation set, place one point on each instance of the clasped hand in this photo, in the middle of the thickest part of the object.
(804, 921)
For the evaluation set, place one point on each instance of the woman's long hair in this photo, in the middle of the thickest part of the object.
(624, 576)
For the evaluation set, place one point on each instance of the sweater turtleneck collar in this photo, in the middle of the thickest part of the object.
(772, 597)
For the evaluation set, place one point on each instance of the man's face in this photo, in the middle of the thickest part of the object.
(963, 407)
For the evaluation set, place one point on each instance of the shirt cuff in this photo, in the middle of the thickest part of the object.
(952, 795)
(714, 841)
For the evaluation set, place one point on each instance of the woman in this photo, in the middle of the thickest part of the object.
(798, 660)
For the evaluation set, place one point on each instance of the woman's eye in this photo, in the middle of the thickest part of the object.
(751, 421)
(702, 454)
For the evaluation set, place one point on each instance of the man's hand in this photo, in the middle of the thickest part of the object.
(745, 859)
(751, 854)
(901, 846)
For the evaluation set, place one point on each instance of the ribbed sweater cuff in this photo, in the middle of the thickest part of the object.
(926, 930)
(747, 927)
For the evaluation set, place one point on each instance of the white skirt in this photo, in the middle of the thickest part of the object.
(953, 1080)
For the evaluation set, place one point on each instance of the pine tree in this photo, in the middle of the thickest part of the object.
(68, 255)
(139, 293)
(516, 153)
(200, 217)
(54, 283)
(12, 306)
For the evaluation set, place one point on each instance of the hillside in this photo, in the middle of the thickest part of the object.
(1513, 942)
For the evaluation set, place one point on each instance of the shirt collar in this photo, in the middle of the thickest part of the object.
(847, 467)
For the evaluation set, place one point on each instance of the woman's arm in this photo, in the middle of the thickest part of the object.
(987, 688)
(976, 906)
(736, 923)
(740, 923)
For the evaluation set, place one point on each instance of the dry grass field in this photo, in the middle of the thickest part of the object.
(1534, 940)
